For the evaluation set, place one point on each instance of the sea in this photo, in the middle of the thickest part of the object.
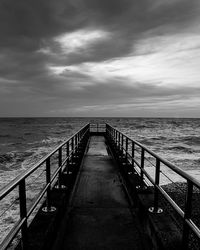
(24, 141)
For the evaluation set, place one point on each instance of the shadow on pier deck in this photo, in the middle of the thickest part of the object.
(99, 215)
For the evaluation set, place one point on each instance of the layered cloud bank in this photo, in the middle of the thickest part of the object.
(100, 58)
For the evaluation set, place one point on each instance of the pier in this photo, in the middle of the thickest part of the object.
(97, 193)
(100, 216)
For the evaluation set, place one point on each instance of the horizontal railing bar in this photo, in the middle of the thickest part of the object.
(10, 186)
(166, 162)
(172, 202)
(192, 226)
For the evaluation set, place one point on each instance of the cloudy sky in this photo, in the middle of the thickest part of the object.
(100, 58)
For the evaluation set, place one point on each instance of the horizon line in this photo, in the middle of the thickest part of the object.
(91, 117)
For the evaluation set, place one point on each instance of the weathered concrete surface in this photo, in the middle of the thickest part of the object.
(99, 216)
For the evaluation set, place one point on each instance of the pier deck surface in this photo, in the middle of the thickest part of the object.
(99, 215)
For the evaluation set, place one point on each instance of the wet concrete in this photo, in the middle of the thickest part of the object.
(99, 215)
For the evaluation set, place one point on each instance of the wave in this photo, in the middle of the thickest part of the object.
(7, 158)
(180, 148)
(192, 140)
(12, 160)
(59, 132)
(5, 136)
(28, 133)
(146, 142)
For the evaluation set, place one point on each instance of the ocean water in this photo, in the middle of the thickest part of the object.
(24, 141)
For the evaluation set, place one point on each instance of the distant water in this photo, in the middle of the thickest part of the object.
(23, 141)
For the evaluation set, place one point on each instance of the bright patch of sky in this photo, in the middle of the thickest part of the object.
(81, 39)
(169, 60)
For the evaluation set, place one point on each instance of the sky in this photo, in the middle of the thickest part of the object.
(113, 58)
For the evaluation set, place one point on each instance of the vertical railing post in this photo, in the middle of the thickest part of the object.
(117, 135)
(119, 141)
(126, 151)
(72, 145)
(122, 143)
(133, 154)
(76, 140)
(187, 215)
(157, 181)
(59, 165)
(155, 208)
(48, 207)
(48, 180)
(142, 167)
(23, 212)
(76, 143)
(59, 185)
(78, 137)
(67, 149)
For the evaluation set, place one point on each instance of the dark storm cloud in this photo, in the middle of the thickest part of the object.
(26, 24)
(28, 28)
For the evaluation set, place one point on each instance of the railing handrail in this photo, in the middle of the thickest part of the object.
(166, 162)
(72, 145)
(118, 138)
(11, 185)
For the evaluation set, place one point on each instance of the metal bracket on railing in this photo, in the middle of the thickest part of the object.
(67, 172)
(60, 187)
(48, 209)
(141, 187)
(154, 210)
(131, 172)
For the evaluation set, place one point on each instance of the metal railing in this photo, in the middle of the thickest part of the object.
(129, 148)
(67, 149)
(97, 127)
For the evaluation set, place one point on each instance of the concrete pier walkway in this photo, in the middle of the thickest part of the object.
(99, 215)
